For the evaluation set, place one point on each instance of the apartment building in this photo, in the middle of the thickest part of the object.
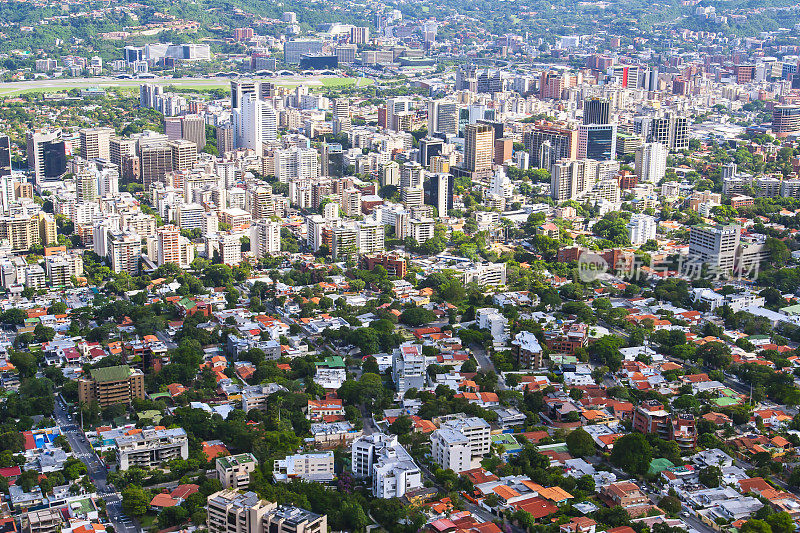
(408, 367)
(451, 449)
(150, 448)
(111, 385)
(476, 430)
(306, 466)
(233, 471)
(230, 511)
(391, 468)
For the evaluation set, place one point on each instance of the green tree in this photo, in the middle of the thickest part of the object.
(711, 476)
(632, 453)
(135, 501)
(580, 443)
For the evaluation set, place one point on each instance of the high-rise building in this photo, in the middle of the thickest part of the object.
(155, 162)
(429, 148)
(169, 245)
(478, 147)
(715, 245)
(225, 139)
(296, 163)
(439, 193)
(184, 154)
(396, 108)
(596, 111)
(240, 88)
(5, 155)
(785, 120)
(651, 162)
(341, 114)
(120, 149)
(86, 186)
(390, 174)
(47, 154)
(332, 160)
(549, 143)
(265, 238)
(443, 117)
(96, 143)
(670, 130)
(187, 127)
(597, 141)
(570, 180)
(124, 251)
(255, 123)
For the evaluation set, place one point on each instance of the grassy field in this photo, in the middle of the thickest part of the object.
(131, 86)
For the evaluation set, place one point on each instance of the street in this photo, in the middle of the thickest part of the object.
(96, 470)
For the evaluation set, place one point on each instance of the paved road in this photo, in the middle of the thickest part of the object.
(96, 469)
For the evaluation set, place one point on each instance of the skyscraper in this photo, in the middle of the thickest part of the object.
(5, 155)
(597, 141)
(443, 117)
(184, 154)
(439, 192)
(596, 111)
(188, 127)
(256, 122)
(156, 161)
(47, 154)
(478, 147)
(785, 120)
(265, 238)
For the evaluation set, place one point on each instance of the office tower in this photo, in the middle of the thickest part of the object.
(184, 154)
(265, 238)
(256, 123)
(548, 143)
(627, 76)
(260, 202)
(96, 143)
(86, 187)
(478, 147)
(670, 130)
(439, 193)
(120, 149)
(359, 34)
(641, 229)
(5, 155)
(169, 245)
(429, 148)
(785, 120)
(467, 78)
(715, 245)
(332, 160)
(596, 111)
(225, 139)
(47, 154)
(597, 141)
(293, 51)
(188, 127)
(341, 114)
(240, 88)
(443, 117)
(390, 174)
(651, 162)
(155, 162)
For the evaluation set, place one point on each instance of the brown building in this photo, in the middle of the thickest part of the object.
(111, 385)
(503, 149)
(651, 417)
(625, 494)
(394, 264)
